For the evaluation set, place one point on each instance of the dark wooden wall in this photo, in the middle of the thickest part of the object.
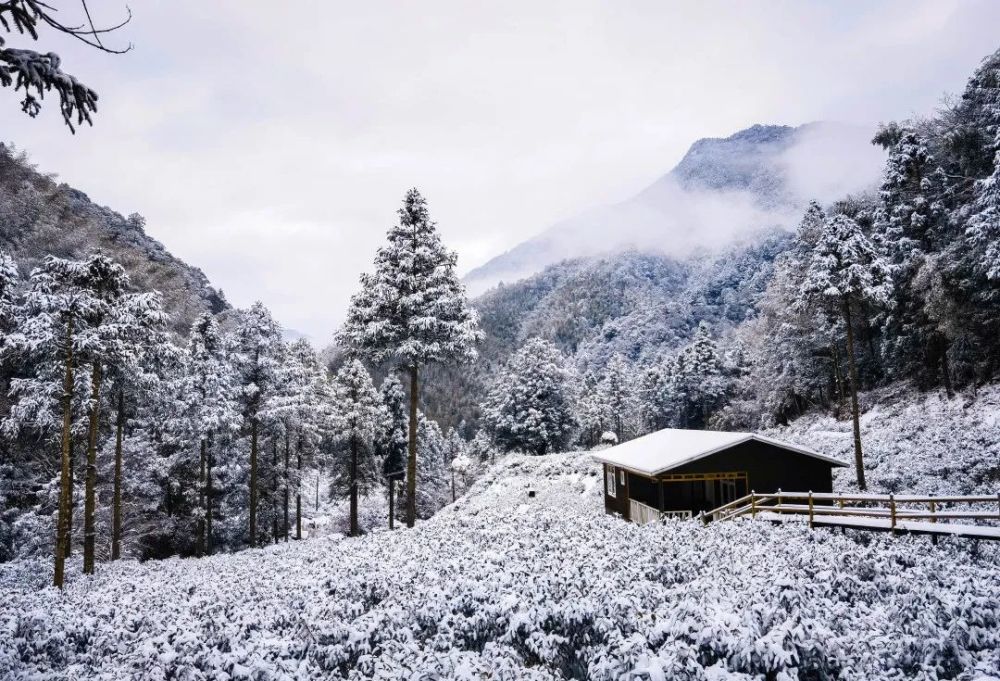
(619, 503)
(768, 468)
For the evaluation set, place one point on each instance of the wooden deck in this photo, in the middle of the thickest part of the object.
(975, 516)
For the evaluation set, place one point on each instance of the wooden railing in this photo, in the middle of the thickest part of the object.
(641, 514)
(902, 512)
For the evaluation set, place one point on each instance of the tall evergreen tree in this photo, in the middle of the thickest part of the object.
(618, 395)
(361, 415)
(54, 326)
(413, 311)
(256, 346)
(846, 270)
(210, 410)
(531, 404)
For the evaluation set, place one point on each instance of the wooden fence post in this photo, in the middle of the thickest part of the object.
(779, 501)
(753, 504)
(810, 509)
(892, 513)
(933, 507)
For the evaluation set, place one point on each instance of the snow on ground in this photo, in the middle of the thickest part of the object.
(503, 585)
(923, 444)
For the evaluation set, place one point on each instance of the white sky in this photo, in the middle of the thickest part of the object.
(272, 149)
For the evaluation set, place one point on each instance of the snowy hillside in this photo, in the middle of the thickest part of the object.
(919, 443)
(723, 188)
(502, 585)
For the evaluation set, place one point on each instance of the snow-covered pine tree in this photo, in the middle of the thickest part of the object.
(435, 474)
(391, 440)
(412, 311)
(392, 437)
(361, 416)
(36, 73)
(309, 410)
(53, 326)
(909, 224)
(103, 340)
(459, 462)
(210, 409)
(658, 400)
(255, 351)
(845, 270)
(591, 414)
(9, 281)
(700, 371)
(618, 396)
(530, 407)
(134, 330)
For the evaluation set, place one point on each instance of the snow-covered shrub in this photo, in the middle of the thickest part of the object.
(501, 585)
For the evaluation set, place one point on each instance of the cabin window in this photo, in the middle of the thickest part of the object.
(622, 477)
(612, 488)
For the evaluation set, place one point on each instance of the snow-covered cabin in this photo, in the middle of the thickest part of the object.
(683, 472)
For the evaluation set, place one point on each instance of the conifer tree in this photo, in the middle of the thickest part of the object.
(531, 404)
(412, 311)
(135, 332)
(256, 345)
(699, 370)
(846, 269)
(361, 414)
(210, 410)
(617, 394)
(308, 411)
(52, 327)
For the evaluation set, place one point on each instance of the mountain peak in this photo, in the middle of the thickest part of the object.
(723, 187)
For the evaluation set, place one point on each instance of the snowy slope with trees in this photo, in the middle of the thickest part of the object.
(501, 585)
(920, 443)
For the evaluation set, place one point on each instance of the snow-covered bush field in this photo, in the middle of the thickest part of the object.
(503, 585)
(917, 443)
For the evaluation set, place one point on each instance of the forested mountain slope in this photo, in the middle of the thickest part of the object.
(642, 306)
(722, 189)
(40, 217)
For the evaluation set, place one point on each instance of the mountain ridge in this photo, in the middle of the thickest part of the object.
(722, 187)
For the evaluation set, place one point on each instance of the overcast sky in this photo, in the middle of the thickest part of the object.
(271, 147)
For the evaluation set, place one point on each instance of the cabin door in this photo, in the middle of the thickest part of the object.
(727, 492)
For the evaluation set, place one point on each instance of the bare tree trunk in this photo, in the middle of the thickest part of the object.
(90, 485)
(839, 377)
(274, 489)
(68, 551)
(298, 489)
(354, 486)
(208, 496)
(63, 522)
(946, 371)
(859, 464)
(392, 504)
(411, 462)
(116, 504)
(285, 471)
(202, 472)
(253, 480)
(453, 497)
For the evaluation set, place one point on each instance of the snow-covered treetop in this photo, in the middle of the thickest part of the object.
(255, 348)
(360, 405)
(846, 264)
(413, 308)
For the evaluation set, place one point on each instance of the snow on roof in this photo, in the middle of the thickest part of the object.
(673, 447)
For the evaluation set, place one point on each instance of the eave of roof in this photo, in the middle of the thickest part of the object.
(608, 457)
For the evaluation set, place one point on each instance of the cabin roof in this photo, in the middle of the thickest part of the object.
(670, 448)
